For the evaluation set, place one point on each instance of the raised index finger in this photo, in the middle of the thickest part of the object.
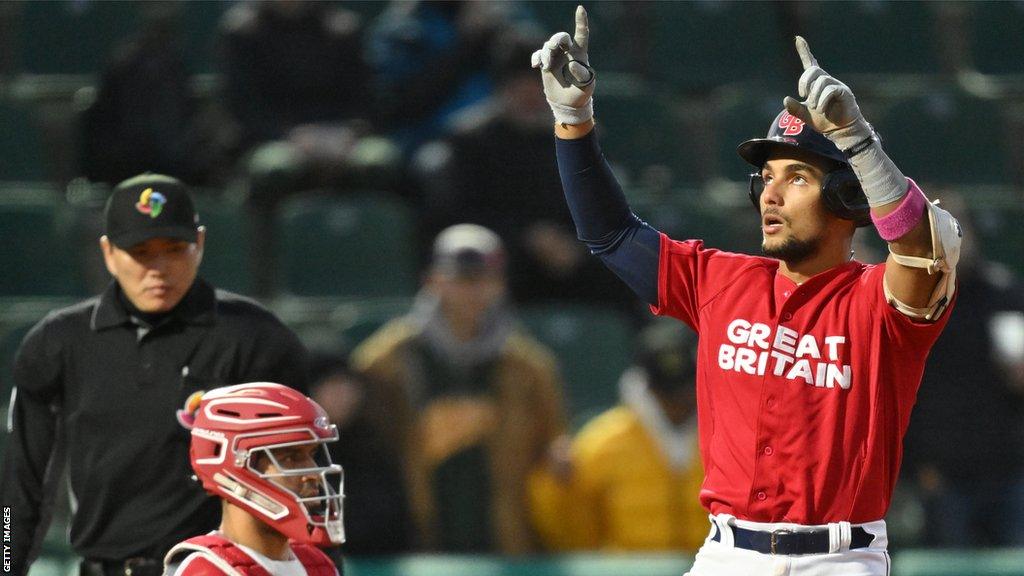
(582, 34)
(804, 51)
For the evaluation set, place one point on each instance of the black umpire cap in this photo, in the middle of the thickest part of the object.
(150, 206)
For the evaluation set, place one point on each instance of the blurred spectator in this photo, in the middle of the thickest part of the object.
(145, 118)
(496, 169)
(377, 517)
(430, 61)
(635, 469)
(296, 83)
(965, 444)
(472, 400)
(290, 63)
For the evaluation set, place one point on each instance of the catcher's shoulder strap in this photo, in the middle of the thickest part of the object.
(219, 551)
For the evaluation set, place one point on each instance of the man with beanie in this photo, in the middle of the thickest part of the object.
(471, 402)
(98, 386)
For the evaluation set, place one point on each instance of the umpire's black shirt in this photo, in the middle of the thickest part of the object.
(105, 386)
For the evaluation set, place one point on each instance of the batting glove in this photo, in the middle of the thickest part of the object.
(830, 108)
(566, 73)
(829, 105)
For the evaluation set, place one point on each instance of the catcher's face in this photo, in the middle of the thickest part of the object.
(794, 220)
(156, 274)
(293, 458)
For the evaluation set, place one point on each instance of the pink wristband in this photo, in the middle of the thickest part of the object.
(903, 219)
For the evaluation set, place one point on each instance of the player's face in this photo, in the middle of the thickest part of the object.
(793, 218)
(156, 274)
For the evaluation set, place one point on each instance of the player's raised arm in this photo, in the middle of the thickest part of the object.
(924, 240)
(628, 246)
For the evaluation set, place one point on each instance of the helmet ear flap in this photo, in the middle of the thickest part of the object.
(843, 196)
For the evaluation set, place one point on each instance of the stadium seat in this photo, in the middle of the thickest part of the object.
(356, 321)
(873, 37)
(640, 128)
(678, 44)
(613, 49)
(334, 323)
(593, 346)
(71, 37)
(22, 156)
(360, 245)
(696, 46)
(200, 21)
(1001, 235)
(743, 113)
(997, 36)
(687, 214)
(947, 137)
(37, 252)
(226, 257)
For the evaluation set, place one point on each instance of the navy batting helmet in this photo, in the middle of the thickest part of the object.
(841, 191)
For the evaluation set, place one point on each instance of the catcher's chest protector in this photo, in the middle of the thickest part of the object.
(312, 559)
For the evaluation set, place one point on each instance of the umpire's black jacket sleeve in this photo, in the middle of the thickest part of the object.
(31, 465)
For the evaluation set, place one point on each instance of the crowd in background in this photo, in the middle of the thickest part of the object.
(454, 432)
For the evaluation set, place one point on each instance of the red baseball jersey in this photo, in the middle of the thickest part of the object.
(803, 392)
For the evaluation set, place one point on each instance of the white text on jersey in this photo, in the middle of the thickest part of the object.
(790, 354)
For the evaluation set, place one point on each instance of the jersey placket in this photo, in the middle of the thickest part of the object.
(765, 482)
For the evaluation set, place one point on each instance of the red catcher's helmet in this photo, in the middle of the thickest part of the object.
(239, 439)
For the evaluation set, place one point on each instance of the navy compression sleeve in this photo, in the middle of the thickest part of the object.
(627, 245)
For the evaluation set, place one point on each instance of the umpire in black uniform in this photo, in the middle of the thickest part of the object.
(98, 384)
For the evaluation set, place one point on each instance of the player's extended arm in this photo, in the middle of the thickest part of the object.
(924, 240)
(627, 245)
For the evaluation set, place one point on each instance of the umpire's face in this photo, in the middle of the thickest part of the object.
(156, 274)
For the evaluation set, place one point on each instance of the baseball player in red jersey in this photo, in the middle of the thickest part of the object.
(809, 362)
(261, 448)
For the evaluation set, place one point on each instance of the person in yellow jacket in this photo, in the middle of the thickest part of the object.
(634, 470)
(469, 399)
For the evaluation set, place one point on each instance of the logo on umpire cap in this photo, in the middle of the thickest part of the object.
(151, 202)
(791, 124)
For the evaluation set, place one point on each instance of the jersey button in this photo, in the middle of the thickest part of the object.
(787, 316)
(768, 451)
(769, 402)
(761, 496)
